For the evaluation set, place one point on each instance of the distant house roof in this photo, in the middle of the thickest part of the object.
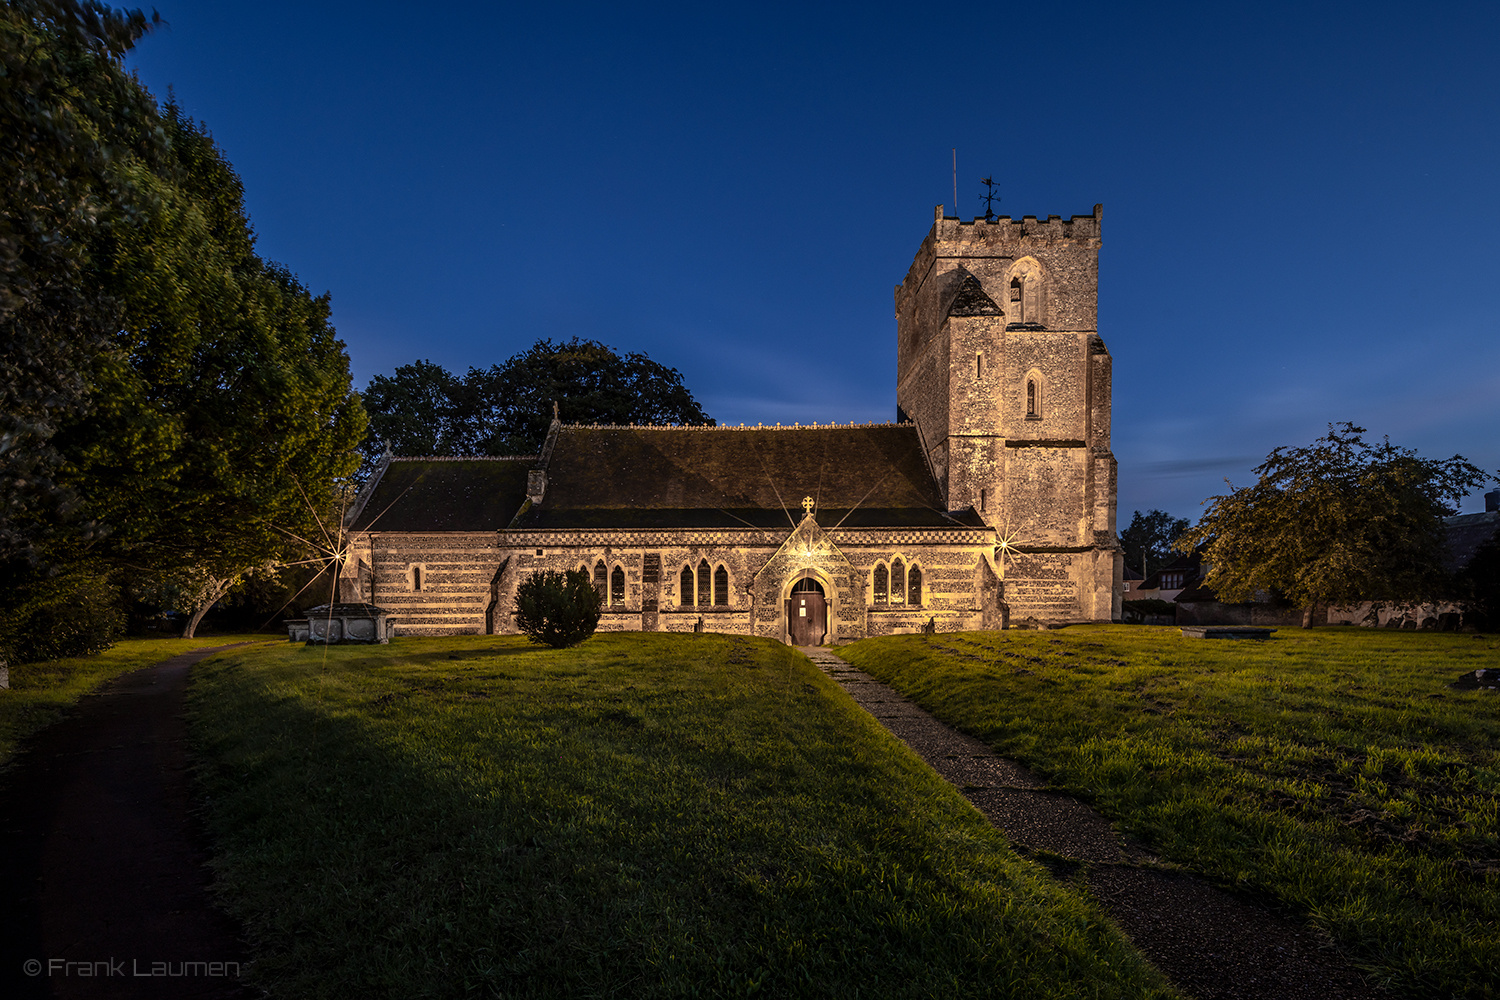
(445, 494)
(1191, 564)
(726, 477)
(1466, 534)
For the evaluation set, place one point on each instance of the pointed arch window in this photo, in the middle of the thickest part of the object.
(721, 587)
(705, 581)
(601, 573)
(882, 584)
(914, 585)
(416, 578)
(617, 586)
(1025, 305)
(685, 591)
(1036, 394)
(898, 582)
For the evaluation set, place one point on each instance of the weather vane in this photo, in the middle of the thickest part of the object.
(989, 198)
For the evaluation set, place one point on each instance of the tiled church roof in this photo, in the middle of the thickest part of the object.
(859, 476)
(445, 494)
(636, 477)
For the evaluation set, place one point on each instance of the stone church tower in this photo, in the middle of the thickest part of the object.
(1001, 367)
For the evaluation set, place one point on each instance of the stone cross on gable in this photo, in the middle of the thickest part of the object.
(807, 504)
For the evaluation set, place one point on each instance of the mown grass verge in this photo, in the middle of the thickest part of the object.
(1333, 769)
(40, 693)
(642, 815)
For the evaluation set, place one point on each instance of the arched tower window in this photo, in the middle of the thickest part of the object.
(617, 586)
(1025, 305)
(882, 584)
(705, 578)
(898, 582)
(416, 578)
(1036, 394)
(600, 573)
(685, 591)
(914, 585)
(721, 586)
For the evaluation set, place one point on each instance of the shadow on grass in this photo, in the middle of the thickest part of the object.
(647, 830)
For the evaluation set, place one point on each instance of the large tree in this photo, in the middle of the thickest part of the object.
(505, 410)
(204, 415)
(1336, 522)
(69, 117)
(1150, 540)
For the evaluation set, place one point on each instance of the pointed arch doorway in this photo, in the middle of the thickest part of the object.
(807, 613)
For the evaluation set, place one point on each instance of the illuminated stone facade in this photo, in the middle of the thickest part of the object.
(990, 502)
(1000, 364)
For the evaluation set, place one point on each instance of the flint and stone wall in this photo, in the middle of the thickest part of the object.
(469, 580)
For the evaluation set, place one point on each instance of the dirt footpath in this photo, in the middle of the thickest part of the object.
(103, 884)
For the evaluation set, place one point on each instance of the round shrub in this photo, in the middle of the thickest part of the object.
(558, 609)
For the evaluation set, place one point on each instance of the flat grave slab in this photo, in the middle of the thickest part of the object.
(1226, 632)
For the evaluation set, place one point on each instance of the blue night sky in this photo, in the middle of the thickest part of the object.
(1299, 199)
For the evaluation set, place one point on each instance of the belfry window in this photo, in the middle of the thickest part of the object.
(1018, 302)
(685, 592)
(617, 586)
(882, 584)
(721, 587)
(705, 580)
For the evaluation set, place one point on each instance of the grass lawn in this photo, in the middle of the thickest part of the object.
(1332, 769)
(643, 815)
(40, 692)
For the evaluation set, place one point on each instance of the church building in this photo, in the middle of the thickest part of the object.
(989, 502)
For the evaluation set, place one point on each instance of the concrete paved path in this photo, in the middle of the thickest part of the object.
(1212, 944)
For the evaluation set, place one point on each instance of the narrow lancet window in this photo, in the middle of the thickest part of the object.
(617, 586)
(601, 572)
(705, 580)
(914, 585)
(1031, 398)
(721, 586)
(882, 579)
(898, 582)
(685, 592)
(416, 578)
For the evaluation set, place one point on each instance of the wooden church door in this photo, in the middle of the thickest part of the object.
(807, 614)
